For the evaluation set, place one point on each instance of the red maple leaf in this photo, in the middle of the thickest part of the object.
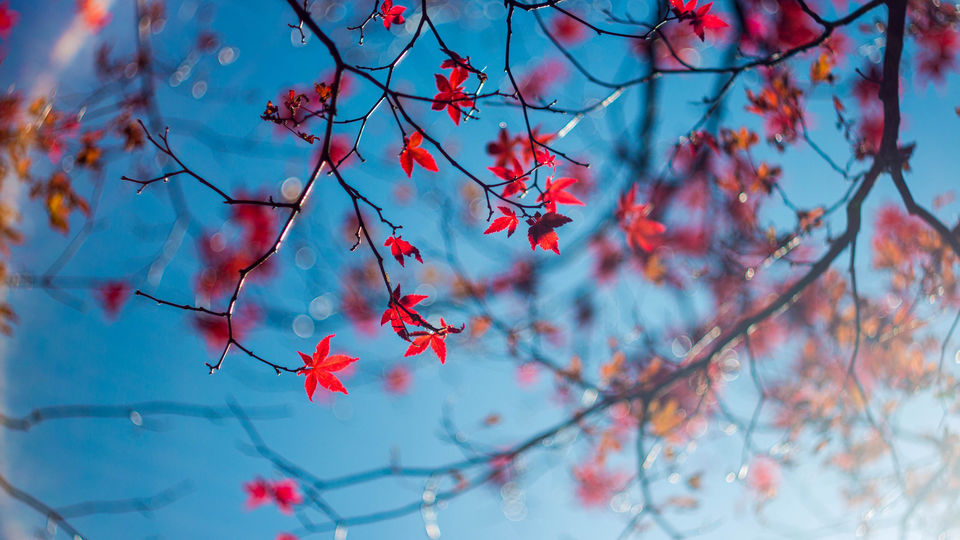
(542, 233)
(509, 222)
(434, 341)
(285, 536)
(555, 193)
(567, 30)
(8, 19)
(937, 52)
(412, 152)
(503, 147)
(286, 494)
(400, 248)
(515, 176)
(528, 153)
(112, 295)
(258, 222)
(319, 368)
(644, 232)
(258, 493)
(595, 486)
(537, 82)
(455, 61)
(391, 14)
(641, 231)
(450, 95)
(546, 158)
(699, 18)
(216, 331)
(400, 311)
(397, 380)
(283, 492)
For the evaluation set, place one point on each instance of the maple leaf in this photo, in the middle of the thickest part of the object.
(216, 331)
(503, 147)
(533, 154)
(764, 476)
(641, 231)
(319, 368)
(508, 221)
(60, 200)
(412, 152)
(515, 176)
(937, 53)
(665, 418)
(400, 248)
(258, 493)
(434, 341)
(286, 536)
(810, 218)
(546, 158)
(286, 494)
(450, 95)
(400, 311)
(820, 69)
(258, 222)
(94, 13)
(112, 295)
(742, 139)
(397, 380)
(8, 19)
(391, 14)
(555, 193)
(541, 232)
(699, 18)
(595, 486)
(455, 61)
(527, 374)
(567, 30)
(537, 82)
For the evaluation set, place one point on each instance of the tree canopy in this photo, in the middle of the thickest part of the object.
(479, 268)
